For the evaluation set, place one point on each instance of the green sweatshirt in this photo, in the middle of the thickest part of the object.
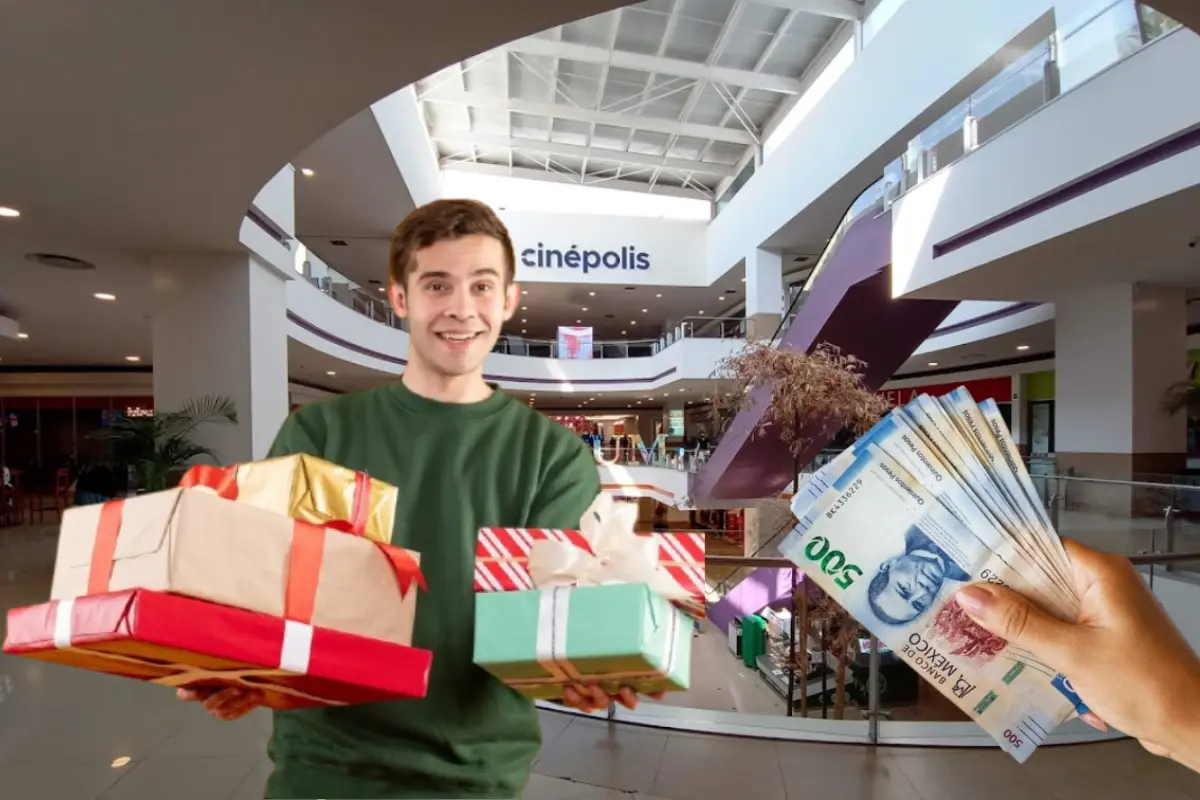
(458, 468)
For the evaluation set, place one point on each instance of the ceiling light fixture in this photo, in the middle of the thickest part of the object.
(633, 322)
(702, 311)
(578, 322)
(524, 320)
(658, 295)
(1022, 347)
(330, 372)
(644, 310)
(933, 363)
(133, 358)
(722, 297)
(623, 333)
(522, 330)
(117, 763)
(524, 291)
(306, 172)
(524, 308)
(7, 211)
(584, 308)
(104, 296)
(383, 288)
(591, 294)
(22, 335)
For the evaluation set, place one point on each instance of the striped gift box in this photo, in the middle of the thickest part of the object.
(502, 559)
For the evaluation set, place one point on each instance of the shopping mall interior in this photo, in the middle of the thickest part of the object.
(997, 195)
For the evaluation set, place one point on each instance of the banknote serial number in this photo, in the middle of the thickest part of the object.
(832, 562)
(991, 577)
(846, 495)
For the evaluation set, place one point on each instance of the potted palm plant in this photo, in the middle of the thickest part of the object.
(160, 447)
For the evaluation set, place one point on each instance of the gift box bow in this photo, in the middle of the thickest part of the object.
(223, 482)
(604, 550)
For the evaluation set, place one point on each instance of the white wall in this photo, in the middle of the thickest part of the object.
(1133, 105)
(375, 345)
(403, 127)
(277, 200)
(926, 49)
(614, 250)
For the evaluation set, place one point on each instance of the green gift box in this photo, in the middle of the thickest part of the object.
(619, 634)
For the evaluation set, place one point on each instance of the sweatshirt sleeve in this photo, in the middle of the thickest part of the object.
(571, 484)
(298, 434)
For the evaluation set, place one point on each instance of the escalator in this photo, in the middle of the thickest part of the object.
(848, 303)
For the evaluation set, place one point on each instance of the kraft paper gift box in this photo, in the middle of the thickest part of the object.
(596, 605)
(182, 642)
(307, 488)
(192, 543)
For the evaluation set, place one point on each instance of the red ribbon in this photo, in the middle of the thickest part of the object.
(222, 480)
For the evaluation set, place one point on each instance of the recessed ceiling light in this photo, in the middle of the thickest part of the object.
(120, 762)
(591, 294)
(702, 311)
(584, 308)
(578, 322)
(11, 213)
(524, 291)
(658, 295)
(524, 320)
(743, 280)
(383, 288)
(639, 402)
(330, 372)
(1022, 347)
(22, 335)
(622, 333)
(524, 308)
(306, 172)
(633, 322)
(522, 330)
(104, 296)
(133, 358)
(933, 363)
(722, 297)
(644, 310)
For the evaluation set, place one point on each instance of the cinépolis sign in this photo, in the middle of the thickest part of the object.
(627, 257)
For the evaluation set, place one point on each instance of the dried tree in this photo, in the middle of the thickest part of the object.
(822, 387)
(837, 632)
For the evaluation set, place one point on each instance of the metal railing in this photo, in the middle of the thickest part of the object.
(687, 328)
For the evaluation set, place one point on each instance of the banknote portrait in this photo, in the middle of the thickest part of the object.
(907, 585)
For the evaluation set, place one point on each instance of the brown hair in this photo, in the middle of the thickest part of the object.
(441, 221)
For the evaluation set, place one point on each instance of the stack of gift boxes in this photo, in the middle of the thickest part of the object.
(278, 575)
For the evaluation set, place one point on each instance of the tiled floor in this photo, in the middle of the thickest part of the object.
(63, 731)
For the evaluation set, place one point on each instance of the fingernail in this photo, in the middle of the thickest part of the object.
(974, 600)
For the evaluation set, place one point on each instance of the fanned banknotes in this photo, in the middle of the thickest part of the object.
(935, 497)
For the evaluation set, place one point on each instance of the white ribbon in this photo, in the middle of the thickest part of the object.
(621, 556)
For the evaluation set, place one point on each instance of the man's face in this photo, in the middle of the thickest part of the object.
(912, 587)
(455, 301)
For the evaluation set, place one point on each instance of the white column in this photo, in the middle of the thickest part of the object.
(1118, 348)
(1019, 427)
(764, 292)
(220, 328)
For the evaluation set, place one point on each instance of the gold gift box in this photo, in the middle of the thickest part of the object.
(311, 489)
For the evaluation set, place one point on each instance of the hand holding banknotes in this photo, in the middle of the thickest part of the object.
(1123, 656)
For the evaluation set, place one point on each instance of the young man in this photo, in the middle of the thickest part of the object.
(464, 456)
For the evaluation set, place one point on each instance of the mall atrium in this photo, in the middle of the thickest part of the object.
(197, 201)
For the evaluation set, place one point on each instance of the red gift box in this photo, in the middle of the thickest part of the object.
(179, 641)
(502, 560)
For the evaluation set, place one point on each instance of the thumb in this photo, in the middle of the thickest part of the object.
(1012, 617)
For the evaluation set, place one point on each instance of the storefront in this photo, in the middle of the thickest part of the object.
(999, 389)
(41, 434)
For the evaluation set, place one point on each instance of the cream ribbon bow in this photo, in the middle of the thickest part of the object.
(621, 556)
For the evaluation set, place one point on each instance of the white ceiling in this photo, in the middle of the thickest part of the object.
(660, 95)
